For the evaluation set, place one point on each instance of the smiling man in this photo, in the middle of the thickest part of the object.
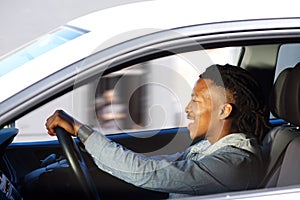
(226, 108)
(207, 109)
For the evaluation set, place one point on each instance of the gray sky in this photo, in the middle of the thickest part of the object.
(23, 21)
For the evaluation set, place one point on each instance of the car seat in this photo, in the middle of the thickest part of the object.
(281, 145)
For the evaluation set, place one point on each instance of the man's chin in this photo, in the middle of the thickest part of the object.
(192, 134)
(191, 127)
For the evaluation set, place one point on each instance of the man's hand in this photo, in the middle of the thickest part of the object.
(63, 120)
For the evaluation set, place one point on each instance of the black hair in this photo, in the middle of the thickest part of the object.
(250, 113)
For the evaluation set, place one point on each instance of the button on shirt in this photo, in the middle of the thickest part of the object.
(232, 163)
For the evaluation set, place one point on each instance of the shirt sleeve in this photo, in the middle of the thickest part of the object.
(180, 176)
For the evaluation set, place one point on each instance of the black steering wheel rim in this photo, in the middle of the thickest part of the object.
(77, 163)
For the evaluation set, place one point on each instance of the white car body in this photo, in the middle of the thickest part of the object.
(121, 24)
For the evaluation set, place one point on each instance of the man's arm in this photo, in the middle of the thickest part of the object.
(220, 172)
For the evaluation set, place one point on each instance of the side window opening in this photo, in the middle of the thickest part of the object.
(147, 96)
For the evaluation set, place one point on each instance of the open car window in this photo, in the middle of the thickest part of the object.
(146, 96)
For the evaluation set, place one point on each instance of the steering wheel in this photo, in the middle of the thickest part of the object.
(77, 163)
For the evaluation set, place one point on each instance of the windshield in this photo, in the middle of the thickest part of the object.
(16, 65)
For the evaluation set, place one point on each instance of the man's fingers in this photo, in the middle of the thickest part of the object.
(61, 119)
(52, 122)
(50, 127)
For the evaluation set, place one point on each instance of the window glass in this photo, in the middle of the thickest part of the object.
(288, 56)
(39, 47)
(146, 96)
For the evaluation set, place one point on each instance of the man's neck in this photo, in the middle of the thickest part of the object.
(219, 134)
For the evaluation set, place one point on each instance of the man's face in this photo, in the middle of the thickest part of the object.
(204, 108)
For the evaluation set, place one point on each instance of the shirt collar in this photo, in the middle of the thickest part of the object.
(239, 140)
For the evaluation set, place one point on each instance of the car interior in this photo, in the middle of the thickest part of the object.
(282, 142)
(39, 170)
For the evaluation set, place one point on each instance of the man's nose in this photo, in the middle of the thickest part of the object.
(187, 108)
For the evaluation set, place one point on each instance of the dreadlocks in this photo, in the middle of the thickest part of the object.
(249, 111)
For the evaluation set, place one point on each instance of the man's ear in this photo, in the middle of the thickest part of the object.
(226, 111)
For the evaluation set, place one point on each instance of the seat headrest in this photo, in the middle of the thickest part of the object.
(285, 96)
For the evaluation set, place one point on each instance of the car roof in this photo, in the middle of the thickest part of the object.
(151, 16)
(172, 13)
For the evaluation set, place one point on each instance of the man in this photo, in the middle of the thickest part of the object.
(226, 107)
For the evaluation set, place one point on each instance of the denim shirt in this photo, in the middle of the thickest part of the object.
(233, 163)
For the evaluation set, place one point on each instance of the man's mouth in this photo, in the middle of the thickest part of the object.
(192, 121)
(189, 117)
